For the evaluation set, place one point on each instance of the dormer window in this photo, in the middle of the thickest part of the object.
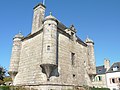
(99, 70)
(115, 68)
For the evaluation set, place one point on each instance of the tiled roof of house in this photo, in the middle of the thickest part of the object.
(114, 68)
(100, 69)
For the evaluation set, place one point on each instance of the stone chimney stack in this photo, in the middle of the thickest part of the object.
(38, 17)
(107, 64)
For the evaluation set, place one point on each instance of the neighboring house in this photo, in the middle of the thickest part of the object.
(113, 77)
(100, 78)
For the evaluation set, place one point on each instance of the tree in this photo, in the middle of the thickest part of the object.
(2, 74)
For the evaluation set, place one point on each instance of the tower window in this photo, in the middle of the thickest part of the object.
(49, 24)
(48, 48)
(73, 75)
(73, 58)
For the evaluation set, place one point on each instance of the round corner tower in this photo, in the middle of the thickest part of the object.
(15, 57)
(91, 56)
(49, 53)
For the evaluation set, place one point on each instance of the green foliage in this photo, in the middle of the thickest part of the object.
(99, 89)
(93, 88)
(1, 82)
(2, 74)
(4, 88)
(17, 88)
(7, 79)
(13, 88)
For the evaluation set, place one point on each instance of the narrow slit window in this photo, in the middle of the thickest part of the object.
(73, 58)
(48, 48)
(73, 75)
(72, 35)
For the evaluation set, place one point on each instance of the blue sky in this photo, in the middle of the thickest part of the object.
(99, 19)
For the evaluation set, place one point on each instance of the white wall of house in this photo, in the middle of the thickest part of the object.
(113, 80)
(100, 81)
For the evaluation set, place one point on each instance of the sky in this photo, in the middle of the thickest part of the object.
(99, 19)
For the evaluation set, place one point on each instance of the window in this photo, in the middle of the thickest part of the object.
(48, 48)
(99, 70)
(114, 88)
(119, 80)
(115, 67)
(72, 35)
(73, 75)
(73, 58)
(49, 24)
(99, 78)
(113, 80)
(96, 79)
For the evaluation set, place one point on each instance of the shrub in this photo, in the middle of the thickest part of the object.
(100, 89)
(4, 88)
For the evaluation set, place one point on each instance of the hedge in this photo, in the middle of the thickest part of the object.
(100, 89)
(4, 88)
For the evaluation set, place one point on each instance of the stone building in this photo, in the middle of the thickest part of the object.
(51, 56)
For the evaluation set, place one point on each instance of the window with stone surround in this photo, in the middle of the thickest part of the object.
(48, 47)
(73, 58)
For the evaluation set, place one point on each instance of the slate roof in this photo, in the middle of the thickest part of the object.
(114, 68)
(100, 69)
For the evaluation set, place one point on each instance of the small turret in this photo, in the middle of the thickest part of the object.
(15, 57)
(91, 56)
(49, 58)
(89, 41)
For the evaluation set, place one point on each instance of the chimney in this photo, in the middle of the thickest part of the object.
(107, 64)
(38, 17)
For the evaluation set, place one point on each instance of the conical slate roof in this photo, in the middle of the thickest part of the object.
(19, 35)
(88, 40)
(50, 17)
